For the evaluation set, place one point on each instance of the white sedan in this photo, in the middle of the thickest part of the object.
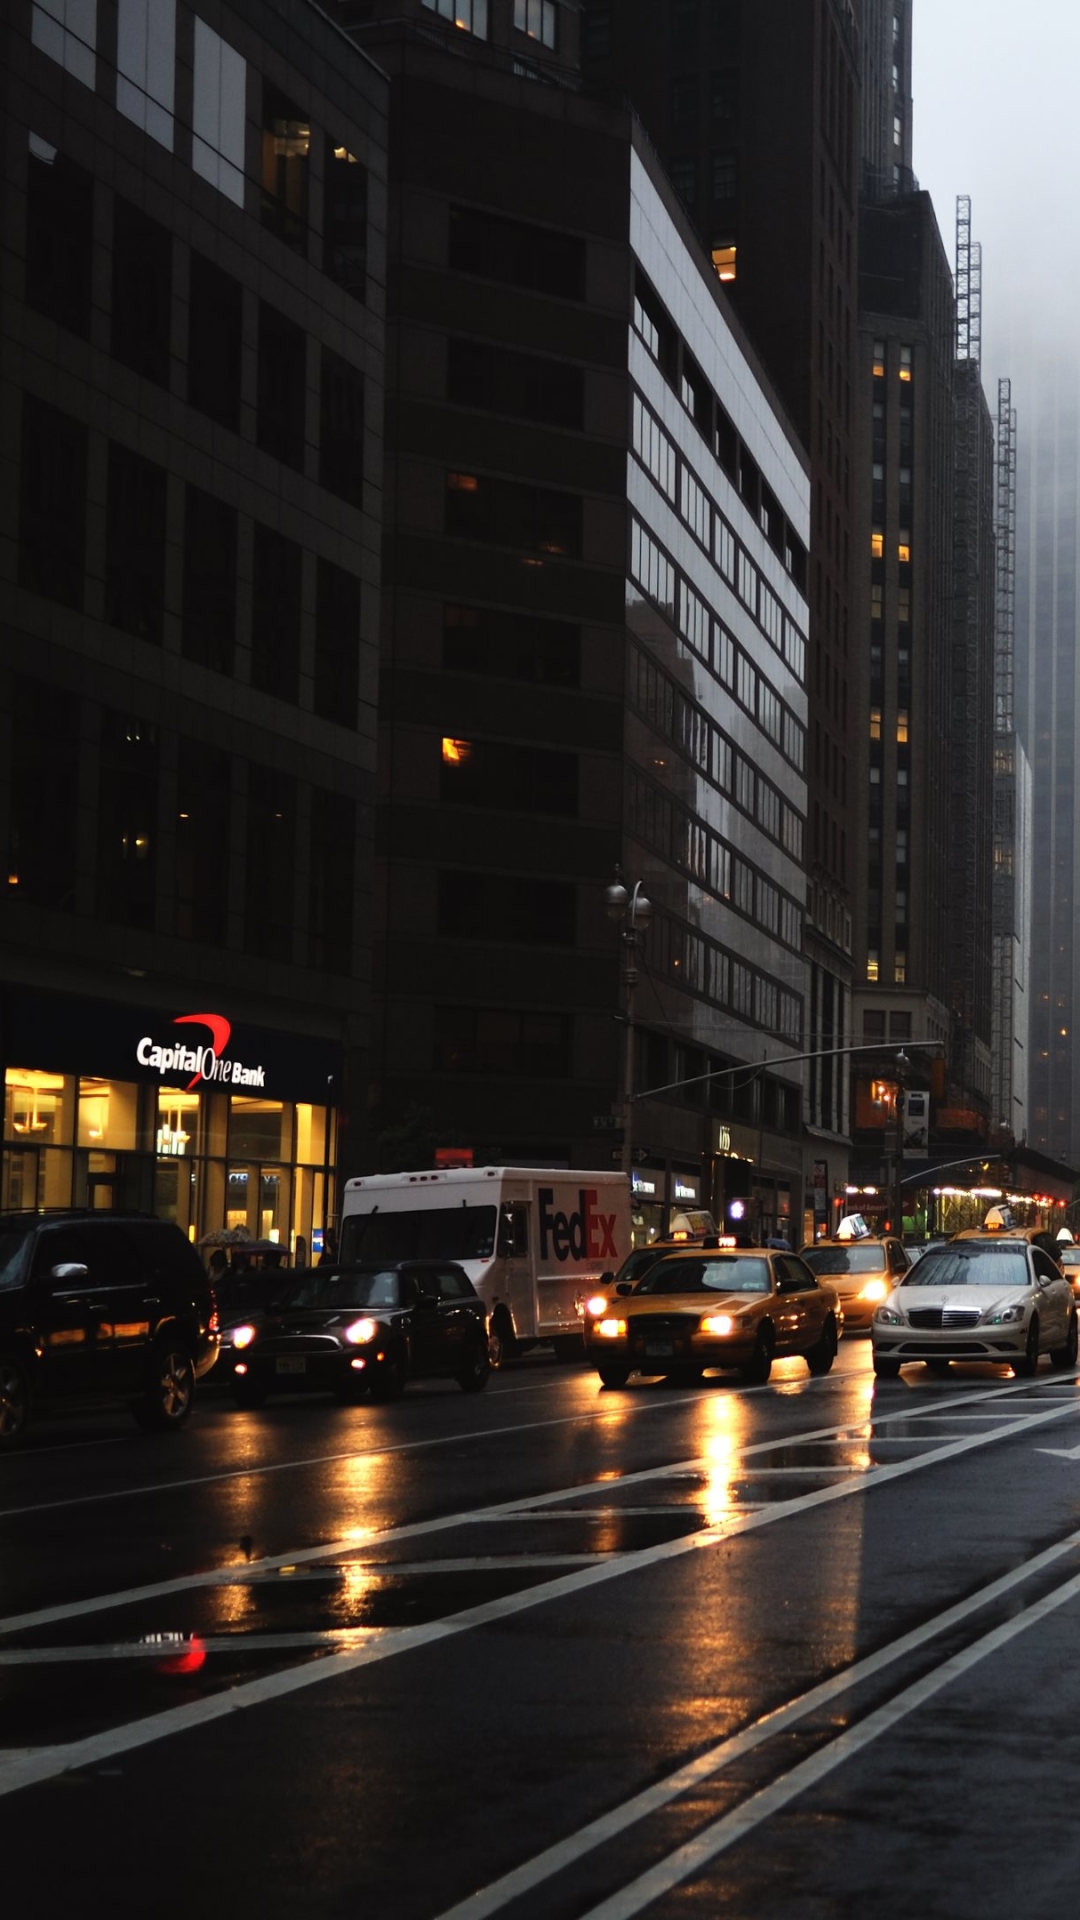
(978, 1299)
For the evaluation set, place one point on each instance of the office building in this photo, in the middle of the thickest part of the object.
(191, 354)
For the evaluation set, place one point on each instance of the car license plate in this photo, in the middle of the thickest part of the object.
(659, 1349)
(289, 1363)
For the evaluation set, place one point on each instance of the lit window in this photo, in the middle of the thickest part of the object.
(879, 359)
(219, 113)
(903, 552)
(470, 15)
(902, 727)
(875, 723)
(723, 259)
(537, 19)
(67, 31)
(877, 544)
(145, 65)
(905, 363)
(463, 483)
(900, 970)
(872, 966)
(456, 752)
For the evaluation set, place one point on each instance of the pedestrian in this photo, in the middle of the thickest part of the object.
(328, 1256)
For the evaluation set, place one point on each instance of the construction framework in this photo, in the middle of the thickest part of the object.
(1011, 807)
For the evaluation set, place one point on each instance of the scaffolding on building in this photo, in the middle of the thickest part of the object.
(1006, 933)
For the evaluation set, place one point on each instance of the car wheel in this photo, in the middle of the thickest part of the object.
(1066, 1356)
(939, 1367)
(886, 1369)
(760, 1366)
(14, 1400)
(169, 1393)
(388, 1381)
(1024, 1369)
(819, 1358)
(613, 1375)
(248, 1392)
(474, 1377)
(501, 1343)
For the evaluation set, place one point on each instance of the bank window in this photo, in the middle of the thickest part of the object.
(127, 820)
(135, 544)
(269, 916)
(282, 387)
(275, 614)
(67, 31)
(43, 814)
(59, 237)
(345, 200)
(203, 818)
(215, 339)
(108, 1115)
(218, 113)
(336, 689)
(209, 618)
(52, 525)
(538, 19)
(341, 429)
(331, 881)
(286, 142)
(470, 15)
(177, 1122)
(146, 65)
(142, 283)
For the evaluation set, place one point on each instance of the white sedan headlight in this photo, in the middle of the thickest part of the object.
(888, 1317)
(1006, 1316)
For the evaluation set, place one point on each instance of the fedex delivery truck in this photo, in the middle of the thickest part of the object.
(533, 1243)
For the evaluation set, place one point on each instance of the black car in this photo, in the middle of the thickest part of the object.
(365, 1330)
(101, 1306)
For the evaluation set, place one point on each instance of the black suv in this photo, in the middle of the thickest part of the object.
(109, 1305)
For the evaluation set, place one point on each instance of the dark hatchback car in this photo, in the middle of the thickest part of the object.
(101, 1306)
(365, 1330)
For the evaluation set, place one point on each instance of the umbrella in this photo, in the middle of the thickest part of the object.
(226, 1237)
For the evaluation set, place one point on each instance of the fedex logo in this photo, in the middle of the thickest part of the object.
(582, 1235)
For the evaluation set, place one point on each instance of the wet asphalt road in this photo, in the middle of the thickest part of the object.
(800, 1650)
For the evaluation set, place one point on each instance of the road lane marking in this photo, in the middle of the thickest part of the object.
(50, 1762)
(351, 1546)
(543, 1866)
(732, 1827)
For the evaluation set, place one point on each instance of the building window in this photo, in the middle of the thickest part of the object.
(518, 779)
(879, 359)
(42, 813)
(67, 31)
(538, 19)
(516, 646)
(127, 820)
(269, 914)
(536, 520)
(282, 387)
(341, 435)
(215, 342)
(724, 259)
(135, 545)
(146, 65)
(684, 179)
(345, 198)
(873, 964)
(875, 723)
(203, 807)
(725, 176)
(517, 253)
(59, 237)
(286, 141)
(905, 363)
(52, 523)
(526, 386)
(900, 970)
(275, 614)
(337, 645)
(528, 912)
(331, 881)
(141, 292)
(219, 113)
(209, 617)
(500, 1041)
(470, 15)
(902, 727)
(683, 100)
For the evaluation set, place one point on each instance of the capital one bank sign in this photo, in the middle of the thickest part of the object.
(205, 1060)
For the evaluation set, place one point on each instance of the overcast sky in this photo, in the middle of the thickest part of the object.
(997, 116)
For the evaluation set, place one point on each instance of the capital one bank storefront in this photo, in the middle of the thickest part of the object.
(188, 1114)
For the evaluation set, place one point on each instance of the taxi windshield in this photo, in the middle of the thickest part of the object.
(970, 1266)
(738, 1273)
(845, 1259)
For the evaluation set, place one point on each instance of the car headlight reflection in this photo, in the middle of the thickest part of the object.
(719, 1323)
(610, 1329)
(361, 1331)
(243, 1336)
(1006, 1316)
(875, 1290)
(888, 1317)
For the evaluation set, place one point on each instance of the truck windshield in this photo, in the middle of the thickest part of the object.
(435, 1233)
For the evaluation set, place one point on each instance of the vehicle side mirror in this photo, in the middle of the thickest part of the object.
(69, 1270)
(625, 1286)
(606, 1280)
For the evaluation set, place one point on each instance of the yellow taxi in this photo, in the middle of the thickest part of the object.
(862, 1266)
(724, 1306)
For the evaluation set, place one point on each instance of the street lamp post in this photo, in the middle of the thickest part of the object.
(902, 1065)
(633, 912)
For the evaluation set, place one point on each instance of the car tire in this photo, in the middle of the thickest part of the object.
(501, 1343)
(474, 1377)
(388, 1381)
(248, 1392)
(758, 1369)
(14, 1400)
(1026, 1368)
(612, 1374)
(819, 1358)
(1066, 1356)
(886, 1369)
(169, 1394)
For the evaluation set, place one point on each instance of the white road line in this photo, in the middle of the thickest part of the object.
(726, 1832)
(351, 1545)
(543, 1866)
(53, 1761)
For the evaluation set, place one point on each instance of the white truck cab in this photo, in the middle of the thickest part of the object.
(534, 1242)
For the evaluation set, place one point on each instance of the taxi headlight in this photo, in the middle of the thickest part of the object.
(718, 1323)
(596, 1306)
(875, 1290)
(361, 1331)
(888, 1317)
(243, 1336)
(610, 1329)
(1005, 1316)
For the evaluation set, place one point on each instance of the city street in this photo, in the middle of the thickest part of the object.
(803, 1649)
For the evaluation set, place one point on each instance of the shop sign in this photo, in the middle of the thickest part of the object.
(821, 1186)
(743, 1142)
(203, 1062)
(685, 1189)
(645, 1185)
